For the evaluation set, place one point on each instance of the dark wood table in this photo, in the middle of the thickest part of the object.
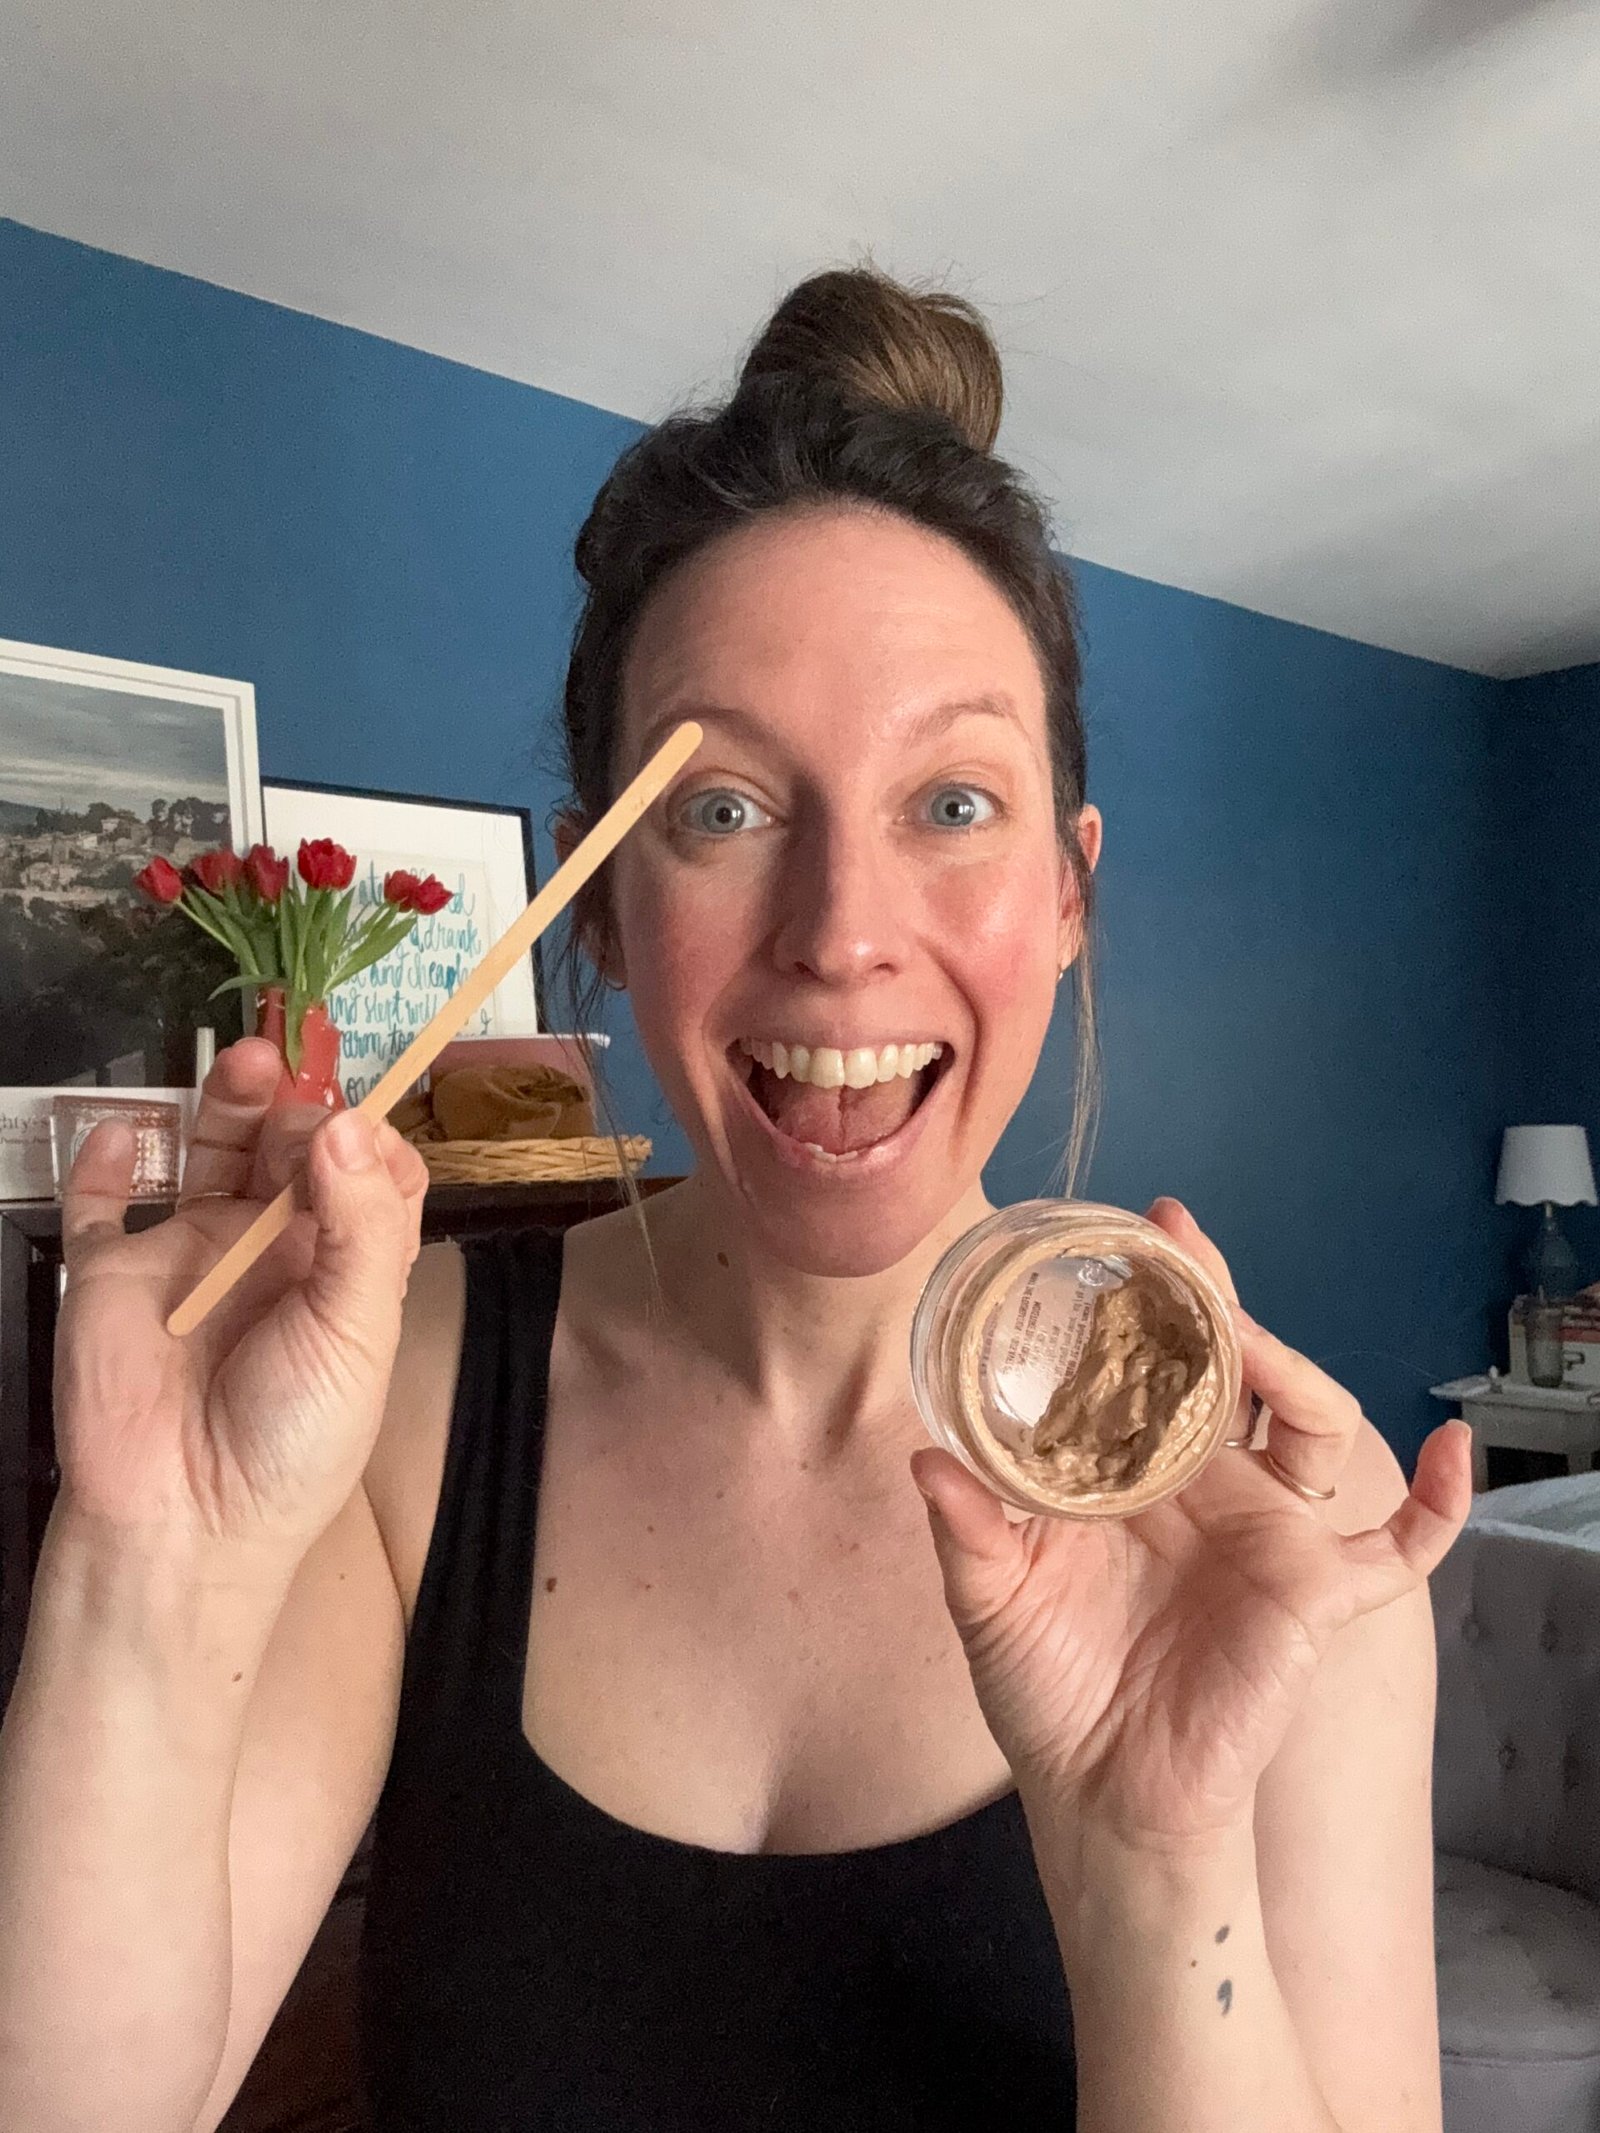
(304, 2079)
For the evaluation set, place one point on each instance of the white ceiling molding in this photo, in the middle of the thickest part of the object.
(1300, 303)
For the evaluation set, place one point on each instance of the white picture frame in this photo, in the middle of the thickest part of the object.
(94, 751)
(481, 850)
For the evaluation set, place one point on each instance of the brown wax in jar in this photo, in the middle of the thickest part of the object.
(1077, 1398)
(1106, 1419)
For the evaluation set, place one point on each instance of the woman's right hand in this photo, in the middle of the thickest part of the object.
(252, 1431)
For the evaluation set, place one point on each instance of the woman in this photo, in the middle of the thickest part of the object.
(711, 1794)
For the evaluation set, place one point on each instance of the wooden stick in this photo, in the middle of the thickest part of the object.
(431, 1040)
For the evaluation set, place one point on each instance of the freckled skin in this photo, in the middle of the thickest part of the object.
(845, 906)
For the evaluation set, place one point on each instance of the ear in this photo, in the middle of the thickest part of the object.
(589, 913)
(1088, 829)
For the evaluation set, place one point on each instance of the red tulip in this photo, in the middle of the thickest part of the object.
(160, 881)
(218, 870)
(326, 865)
(268, 875)
(412, 892)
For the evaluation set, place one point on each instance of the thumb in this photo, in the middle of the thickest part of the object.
(358, 1270)
(982, 1555)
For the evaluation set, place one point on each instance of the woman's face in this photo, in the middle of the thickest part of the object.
(843, 926)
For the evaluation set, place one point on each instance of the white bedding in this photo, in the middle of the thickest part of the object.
(1568, 1504)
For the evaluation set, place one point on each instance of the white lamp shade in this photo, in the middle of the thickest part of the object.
(1539, 1163)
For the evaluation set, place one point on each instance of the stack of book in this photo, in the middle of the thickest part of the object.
(1580, 1338)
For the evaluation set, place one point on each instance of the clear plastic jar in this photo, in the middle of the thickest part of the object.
(1075, 1359)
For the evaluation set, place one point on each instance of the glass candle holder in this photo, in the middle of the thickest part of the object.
(157, 1126)
(1547, 1358)
(1075, 1359)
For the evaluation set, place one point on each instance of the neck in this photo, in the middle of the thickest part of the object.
(820, 1358)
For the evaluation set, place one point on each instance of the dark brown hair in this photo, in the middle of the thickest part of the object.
(860, 392)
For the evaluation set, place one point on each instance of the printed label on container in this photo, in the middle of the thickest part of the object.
(1036, 1338)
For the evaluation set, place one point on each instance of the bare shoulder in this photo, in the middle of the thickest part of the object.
(1372, 1486)
(1371, 1701)
(611, 1293)
(1344, 1843)
(614, 1255)
(607, 1264)
(406, 1466)
(1376, 1679)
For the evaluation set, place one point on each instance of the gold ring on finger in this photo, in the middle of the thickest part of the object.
(1246, 1443)
(1300, 1488)
(1258, 1407)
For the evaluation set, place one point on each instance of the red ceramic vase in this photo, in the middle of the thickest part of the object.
(318, 1079)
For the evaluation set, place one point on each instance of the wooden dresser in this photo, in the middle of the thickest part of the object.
(305, 2078)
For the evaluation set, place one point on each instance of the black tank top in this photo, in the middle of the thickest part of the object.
(531, 1964)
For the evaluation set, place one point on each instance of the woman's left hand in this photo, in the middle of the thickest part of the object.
(1141, 1673)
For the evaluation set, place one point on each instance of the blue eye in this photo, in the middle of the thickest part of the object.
(720, 812)
(959, 807)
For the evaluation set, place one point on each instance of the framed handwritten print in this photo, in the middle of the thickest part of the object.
(481, 851)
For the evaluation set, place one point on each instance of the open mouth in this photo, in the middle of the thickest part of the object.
(839, 1103)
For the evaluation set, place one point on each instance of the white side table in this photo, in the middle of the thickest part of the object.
(1529, 1418)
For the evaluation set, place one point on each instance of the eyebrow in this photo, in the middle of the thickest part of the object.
(935, 719)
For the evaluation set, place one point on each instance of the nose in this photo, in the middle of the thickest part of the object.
(842, 912)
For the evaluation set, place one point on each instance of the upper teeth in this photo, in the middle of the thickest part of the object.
(825, 1067)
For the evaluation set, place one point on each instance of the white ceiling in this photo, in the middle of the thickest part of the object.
(1300, 302)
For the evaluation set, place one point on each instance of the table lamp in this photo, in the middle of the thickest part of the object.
(1548, 1167)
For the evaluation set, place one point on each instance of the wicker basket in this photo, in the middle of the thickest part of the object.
(524, 1162)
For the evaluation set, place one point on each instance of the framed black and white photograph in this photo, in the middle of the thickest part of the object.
(105, 764)
(481, 851)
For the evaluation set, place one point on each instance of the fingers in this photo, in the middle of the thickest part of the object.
(981, 1554)
(244, 1141)
(1314, 1422)
(406, 1167)
(411, 1179)
(365, 1242)
(1390, 1559)
(233, 1103)
(247, 1144)
(95, 1198)
(282, 1148)
(1172, 1216)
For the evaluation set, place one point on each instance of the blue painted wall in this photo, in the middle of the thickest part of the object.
(1297, 891)
(1297, 1034)
(1548, 774)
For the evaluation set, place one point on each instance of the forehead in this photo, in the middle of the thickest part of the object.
(829, 618)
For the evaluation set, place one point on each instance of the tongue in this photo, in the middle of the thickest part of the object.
(839, 1120)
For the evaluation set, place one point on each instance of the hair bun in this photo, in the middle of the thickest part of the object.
(878, 342)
